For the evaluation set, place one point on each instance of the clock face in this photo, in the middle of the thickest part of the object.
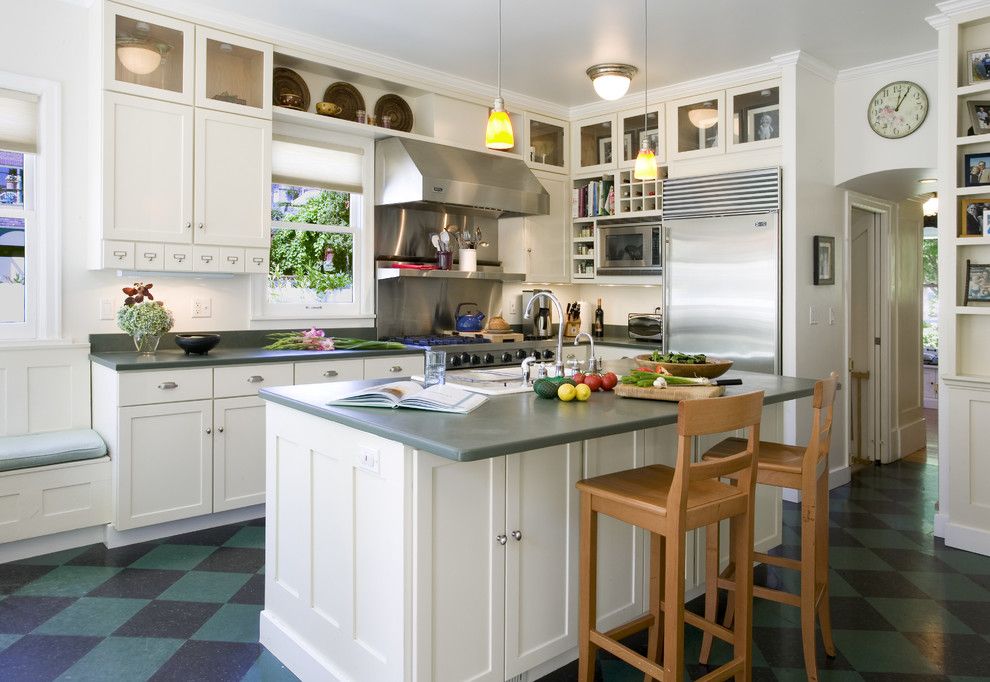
(898, 109)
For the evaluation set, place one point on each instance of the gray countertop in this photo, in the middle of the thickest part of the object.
(512, 423)
(171, 359)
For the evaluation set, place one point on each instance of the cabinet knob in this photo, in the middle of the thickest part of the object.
(395, 368)
(517, 535)
(166, 385)
(189, 225)
(330, 373)
(255, 379)
(220, 430)
(501, 539)
(209, 430)
(201, 226)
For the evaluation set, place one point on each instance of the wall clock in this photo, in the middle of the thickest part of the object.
(898, 109)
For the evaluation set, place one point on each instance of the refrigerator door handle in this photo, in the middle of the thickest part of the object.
(664, 260)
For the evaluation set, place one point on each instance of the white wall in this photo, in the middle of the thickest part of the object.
(858, 150)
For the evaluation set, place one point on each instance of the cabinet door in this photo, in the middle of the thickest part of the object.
(393, 367)
(147, 170)
(547, 235)
(163, 469)
(233, 179)
(593, 144)
(547, 144)
(238, 453)
(460, 564)
(322, 371)
(233, 73)
(541, 560)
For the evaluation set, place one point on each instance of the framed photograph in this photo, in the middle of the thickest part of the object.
(708, 137)
(979, 65)
(977, 283)
(653, 136)
(979, 116)
(973, 217)
(824, 260)
(628, 152)
(977, 169)
(604, 150)
(763, 123)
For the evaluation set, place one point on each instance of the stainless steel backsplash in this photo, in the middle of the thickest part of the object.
(410, 305)
(404, 233)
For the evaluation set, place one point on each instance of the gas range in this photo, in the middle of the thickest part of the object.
(467, 351)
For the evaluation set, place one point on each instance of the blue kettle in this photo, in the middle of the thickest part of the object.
(470, 321)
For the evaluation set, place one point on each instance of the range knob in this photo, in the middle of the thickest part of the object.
(520, 354)
(475, 360)
(548, 355)
(455, 360)
(465, 358)
(489, 358)
(507, 356)
(536, 355)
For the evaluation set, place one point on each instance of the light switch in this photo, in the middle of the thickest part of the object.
(106, 309)
(831, 315)
(369, 460)
(812, 315)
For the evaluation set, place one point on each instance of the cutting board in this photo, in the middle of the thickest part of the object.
(670, 394)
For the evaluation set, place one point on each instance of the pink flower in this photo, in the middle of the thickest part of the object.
(313, 333)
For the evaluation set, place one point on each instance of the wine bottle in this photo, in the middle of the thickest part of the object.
(598, 326)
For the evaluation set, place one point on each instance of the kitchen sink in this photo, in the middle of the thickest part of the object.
(492, 381)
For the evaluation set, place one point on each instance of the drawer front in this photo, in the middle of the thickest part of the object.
(165, 386)
(237, 380)
(118, 255)
(178, 257)
(394, 366)
(256, 260)
(206, 258)
(231, 259)
(322, 371)
(149, 256)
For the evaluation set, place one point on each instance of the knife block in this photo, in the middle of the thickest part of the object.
(572, 327)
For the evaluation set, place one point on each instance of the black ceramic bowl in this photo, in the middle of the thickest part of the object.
(200, 344)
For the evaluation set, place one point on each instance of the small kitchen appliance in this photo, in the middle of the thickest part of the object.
(625, 248)
(542, 320)
(646, 326)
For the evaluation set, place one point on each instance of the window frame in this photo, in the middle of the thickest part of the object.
(43, 217)
(361, 311)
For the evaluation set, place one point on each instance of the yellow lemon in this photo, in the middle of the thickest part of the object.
(566, 392)
(582, 392)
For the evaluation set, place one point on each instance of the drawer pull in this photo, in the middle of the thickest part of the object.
(255, 379)
(208, 431)
(121, 255)
(189, 225)
(220, 430)
(205, 258)
(330, 373)
(201, 226)
(395, 368)
(179, 257)
(233, 259)
(150, 255)
(258, 260)
(166, 385)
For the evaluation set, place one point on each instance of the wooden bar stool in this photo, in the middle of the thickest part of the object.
(786, 466)
(668, 502)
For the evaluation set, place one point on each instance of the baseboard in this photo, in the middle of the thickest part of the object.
(941, 521)
(46, 544)
(118, 538)
(288, 647)
(910, 438)
(968, 538)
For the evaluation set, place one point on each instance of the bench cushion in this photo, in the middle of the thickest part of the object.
(56, 447)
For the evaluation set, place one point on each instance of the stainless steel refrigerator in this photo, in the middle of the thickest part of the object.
(722, 277)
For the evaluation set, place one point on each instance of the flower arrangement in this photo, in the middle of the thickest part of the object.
(145, 320)
(317, 339)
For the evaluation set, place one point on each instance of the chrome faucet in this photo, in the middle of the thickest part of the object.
(559, 358)
(592, 362)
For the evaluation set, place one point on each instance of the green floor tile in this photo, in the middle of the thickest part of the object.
(123, 658)
(965, 562)
(889, 652)
(174, 557)
(53, 559)
(773, 614)
(949, 586)
(97, 617)
(206, 586)
(882, 538)
(856, 558)
(907, 522)
(918, 615)
(797, 675)
(7, 640)
(68, 581)
(248, 536)
(232, 623)
(838, 587)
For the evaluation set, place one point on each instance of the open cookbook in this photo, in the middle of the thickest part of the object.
(438, 398)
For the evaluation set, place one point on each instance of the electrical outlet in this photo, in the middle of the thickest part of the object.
(202, 307)
(369, 460)
(812, 315)
(106, 309)
(831, 315)
(513, 306)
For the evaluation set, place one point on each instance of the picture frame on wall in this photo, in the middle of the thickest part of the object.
(628, 152)
(973, 216)
(976, 169)
(979, 116)
(977, 283)
(763, 123)
(979, 65)
(604, 150)
(824, 259)
(653, 136)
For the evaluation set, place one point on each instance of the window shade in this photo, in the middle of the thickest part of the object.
(295, 162)
(18, 121)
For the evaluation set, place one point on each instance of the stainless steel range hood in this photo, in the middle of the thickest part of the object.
(424, 174)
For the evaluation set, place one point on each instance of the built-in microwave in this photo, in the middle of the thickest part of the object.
(628, 249)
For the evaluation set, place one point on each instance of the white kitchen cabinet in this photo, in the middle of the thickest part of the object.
(538, 245)
(322, 371)
(164, 463)
(147, 170)
(393, 366)
(238, 452)
(233, 167)
(233, 73)
(593, 144)
(547, 144)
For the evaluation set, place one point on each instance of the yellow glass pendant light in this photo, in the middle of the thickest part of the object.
(646, 160)
(498, 134)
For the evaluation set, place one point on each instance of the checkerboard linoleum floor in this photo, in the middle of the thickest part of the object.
(904, 607)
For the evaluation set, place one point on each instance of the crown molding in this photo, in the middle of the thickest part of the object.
(950, 9)
(807, 61)
(868, 70)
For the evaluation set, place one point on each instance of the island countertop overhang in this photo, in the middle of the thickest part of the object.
(512, 423)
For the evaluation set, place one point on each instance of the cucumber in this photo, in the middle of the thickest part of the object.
(545, 388)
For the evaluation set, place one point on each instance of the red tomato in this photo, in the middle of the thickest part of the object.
(593, 381)
(609, 380)
(578, 378)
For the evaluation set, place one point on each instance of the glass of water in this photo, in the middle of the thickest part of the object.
(436, 367)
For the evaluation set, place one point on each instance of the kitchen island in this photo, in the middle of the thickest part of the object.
(410, 545)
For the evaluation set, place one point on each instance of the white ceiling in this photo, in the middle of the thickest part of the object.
(547, 44)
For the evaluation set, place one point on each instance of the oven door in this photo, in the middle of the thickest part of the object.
(628, 250)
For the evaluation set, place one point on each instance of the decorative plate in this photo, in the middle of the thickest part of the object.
(286, 80)
(395, 107)
(347, 97)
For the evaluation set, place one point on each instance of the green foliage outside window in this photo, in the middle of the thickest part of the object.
(299, 254)
(929, 284)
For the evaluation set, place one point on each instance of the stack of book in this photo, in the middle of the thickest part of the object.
(597, 198)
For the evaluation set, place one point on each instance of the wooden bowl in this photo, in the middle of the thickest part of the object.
(710, 370)
(328, 108)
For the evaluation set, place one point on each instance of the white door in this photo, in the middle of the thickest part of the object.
(864, 333)
(233, 180)
(541, 559)
(238, 452)
(164, 464)
(148, 170)
(547, 235)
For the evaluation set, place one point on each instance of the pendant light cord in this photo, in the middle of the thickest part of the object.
(646, 66)
(499, 49)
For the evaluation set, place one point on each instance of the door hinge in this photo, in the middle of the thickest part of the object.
(876, 341)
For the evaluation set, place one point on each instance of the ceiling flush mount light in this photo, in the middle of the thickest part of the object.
(704, 116)
(498, 134)
(138, 53)
(646, 160)
(611, 81)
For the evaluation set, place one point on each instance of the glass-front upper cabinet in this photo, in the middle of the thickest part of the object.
(634, 127)
(233, 74)
(546, 143)
(147, 54)
(698, 124)
(593, 145)
(754, 114)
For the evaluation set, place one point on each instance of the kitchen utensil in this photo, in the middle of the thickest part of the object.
(328, 108)
(436, 242)
(197, 344)
(467, 260)
(669, 394)
(286, 80)
(445, 260)
(347, 97)
(468, 321)
(711, 369)
(445, 240)
(398, 111)
(647, 326)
